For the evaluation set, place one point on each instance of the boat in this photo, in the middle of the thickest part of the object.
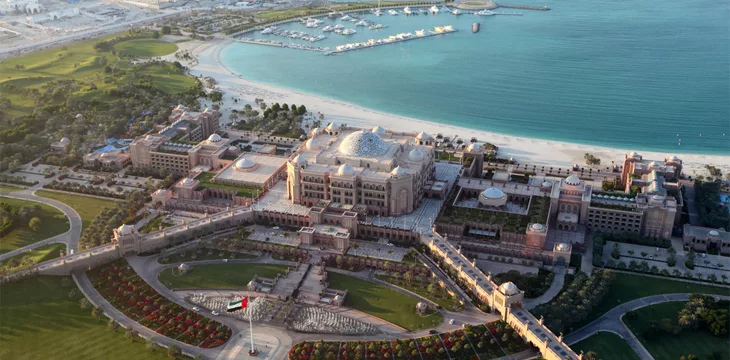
(362, 23)
(338, 27)
(445, 9)
(346, 18)
(378, 13)
(434, 9)
(327, 28)
(407, 10)
(392, 12)
(456, 12)
(348, 31)
(376, 27)
(448, 28)
(338, 31)
(268, 30)
(438, 29)
(485, 12)
(422, 11)
(420, 32)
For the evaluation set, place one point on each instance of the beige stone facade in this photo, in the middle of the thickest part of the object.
(111, 160)
(703, 239)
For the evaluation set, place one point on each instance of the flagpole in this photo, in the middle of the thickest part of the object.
(250, 321)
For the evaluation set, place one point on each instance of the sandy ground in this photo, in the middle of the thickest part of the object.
(523, 150)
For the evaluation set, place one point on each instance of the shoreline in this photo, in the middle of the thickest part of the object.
(522, 149)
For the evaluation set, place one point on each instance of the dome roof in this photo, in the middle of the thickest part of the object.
(65, 141)
(473, 147)
(363, 144)
(214, 138)
(398, 171)
(378, 130)
(187, 181)
(420, 305)
(416, 155)
(562, 247)
(316, 131)
(537, 227)
(345, 170)
(298, 160)
(332, 126)
(125, 229)
(509, 288)
(312, 144)
(713, 233)
(572, 180)
(492, 193)
(79, 116)
(674, 158)
(655, 164)
(547, 184)
(149, 137)
(233, 148)
(244, 163)
(423, 135)
(338, 297)
(160, 192)
(633, 154)
(657, 197)
(251, 283)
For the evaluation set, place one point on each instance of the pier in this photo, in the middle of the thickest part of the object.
(365, 45)
(524, 7)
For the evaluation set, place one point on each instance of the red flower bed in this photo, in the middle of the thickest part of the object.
(124, 289)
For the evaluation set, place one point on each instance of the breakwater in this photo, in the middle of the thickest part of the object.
(389, 40)
(524, 7)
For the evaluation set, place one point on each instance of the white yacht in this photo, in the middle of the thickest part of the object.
(348, 31)
(362, 23)
(448, 28)
(445, 9)
(327, 28)
(392, 12)
(456, 12)
(268, 30)
(485, 12)
(378, 13)
(338, 27)
(407, 10)
(346, 18)
(338, 31)
(434, 9)
(420, 32)
(376, 27)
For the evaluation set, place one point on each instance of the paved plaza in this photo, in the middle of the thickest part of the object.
(379, 250)
(274, 236)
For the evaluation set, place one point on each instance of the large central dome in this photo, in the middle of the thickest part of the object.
(363, 144)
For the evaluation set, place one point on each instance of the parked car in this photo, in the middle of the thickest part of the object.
(451, 321)
(215, 313)
(225, 260)
(195, 308)
(432, 331)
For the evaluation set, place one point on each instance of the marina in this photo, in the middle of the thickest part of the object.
(419, 34)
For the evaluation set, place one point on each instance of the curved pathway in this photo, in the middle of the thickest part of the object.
(70, 237)
(612, 321)
(553, 291)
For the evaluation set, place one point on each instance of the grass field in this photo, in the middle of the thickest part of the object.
(40, 321)
(4, 189)
(382, 302)
(700, 343)
(87, 207)
(608, 346)
(440, 297)
(80, 62)
(53, 222)
(145, 48)
(205, 254)
(37, 255)
(219, 276)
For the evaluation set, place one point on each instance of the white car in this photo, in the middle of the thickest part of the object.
(195, 308)
(451, 321)
(275, 228)
(215, 313)
(225, 260)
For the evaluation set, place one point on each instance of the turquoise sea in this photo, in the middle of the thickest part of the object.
(637, 74)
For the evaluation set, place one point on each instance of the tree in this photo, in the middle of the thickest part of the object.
(96, 313)
(173, 351)
(113, 325)
(156, 34)
(34, 223)
(84, 303)
(130, 334)
(166, 30)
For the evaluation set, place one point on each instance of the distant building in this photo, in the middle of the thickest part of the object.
(61, 146)
(703, 239)
(111, 160)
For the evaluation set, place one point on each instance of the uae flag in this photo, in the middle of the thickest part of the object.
(238, 305)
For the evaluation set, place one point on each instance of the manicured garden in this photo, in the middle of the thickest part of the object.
(206, 178)
(660, 330)
(433, 292)
(219, 276)
(37, 255)
(18, 228)
(87, 207)
(155, 224)
(608, 346)
(382, 302)
(202, 254)
(41, 321)
(483, 342)
(145, 48)
(127, 292)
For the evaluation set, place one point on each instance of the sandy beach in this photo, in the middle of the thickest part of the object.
(523, 150)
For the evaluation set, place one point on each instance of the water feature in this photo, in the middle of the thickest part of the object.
(636, 74)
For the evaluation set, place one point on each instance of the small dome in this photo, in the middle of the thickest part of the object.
(416, 155)
(312, 144)
(65, 141)
(125, 229)
(546, 184)
(421, 305)
(655, 164)
(233, 148)
(398, 171)
(79, 116)
(187, 181)
(509, 288)
(572, 180)
(674, 158)
(149, 137)
(298, 160)
(251, 283)
(363, 144)
(634, 154)
(493, 193)
(713, 233)
(244, 163)
(378, 130)
(657, 197)
(562, 247)
(537, 227)
(473, 147)
(423, 136)
(492, 197)
(345, 170)
(332, 126)
(160, 192)
(214, 138)
(338, 297)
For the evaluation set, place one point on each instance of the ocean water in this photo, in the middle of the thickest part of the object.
(638, 74)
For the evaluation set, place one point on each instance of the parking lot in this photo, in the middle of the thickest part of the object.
(379, 250)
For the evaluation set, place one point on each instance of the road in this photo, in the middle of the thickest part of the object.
(612, 322)
(555, 287)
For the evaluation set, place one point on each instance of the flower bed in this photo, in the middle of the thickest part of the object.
(131, 295)
(315, 319)
(457, 344)
(510, 341)
(485, 343)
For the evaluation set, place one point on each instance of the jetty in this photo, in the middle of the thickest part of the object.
(389, 40)
(524, 7)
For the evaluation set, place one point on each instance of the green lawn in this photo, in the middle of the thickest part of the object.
(219, 276)
(88, 207)
(4, 189)
(440, 297)
(608, 346)
(382, 302)
(145, 47)
(205, 254)
(37, 255)
(53, 222)
(40, 321)
(243, 191)
(700, 343)
(154, 224)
